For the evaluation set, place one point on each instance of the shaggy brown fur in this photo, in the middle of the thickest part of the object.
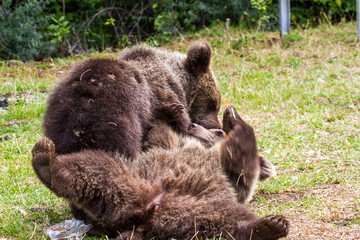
(176, 193)
(161, 136)
(110, 104)
(210, 137)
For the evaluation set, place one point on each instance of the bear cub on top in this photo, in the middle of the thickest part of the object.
(111, 104)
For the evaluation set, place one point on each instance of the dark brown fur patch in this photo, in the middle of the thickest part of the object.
(111, 104)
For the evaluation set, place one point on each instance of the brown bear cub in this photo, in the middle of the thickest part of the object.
(162, 136)
(178, 193)
(210, 137)
(111, 104)
(245, 189)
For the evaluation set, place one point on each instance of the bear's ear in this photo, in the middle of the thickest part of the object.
(198, 57)
(267, 169)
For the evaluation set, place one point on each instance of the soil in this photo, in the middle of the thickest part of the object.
(324, 212)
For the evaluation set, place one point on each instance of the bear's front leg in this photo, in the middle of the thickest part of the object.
(266, 228)
(238, 154)
(176, 115)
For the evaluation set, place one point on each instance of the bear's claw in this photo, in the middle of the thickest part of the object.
(272, 227)
(175, 110)
(45, 145)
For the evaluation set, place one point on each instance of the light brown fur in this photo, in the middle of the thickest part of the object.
(161, 136)
(167, 193)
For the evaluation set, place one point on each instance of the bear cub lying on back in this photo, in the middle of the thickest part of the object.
(167, 193)
(162, 136)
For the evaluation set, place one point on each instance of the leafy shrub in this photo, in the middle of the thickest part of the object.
(20, 31)
(311, 12)
(32, 29)
(173, 17)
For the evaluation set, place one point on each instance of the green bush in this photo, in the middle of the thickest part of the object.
(34, 29)
(310, 12)
(173, 17)
(21, 30)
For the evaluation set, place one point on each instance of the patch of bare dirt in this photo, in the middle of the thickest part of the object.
(304, 227)
(324, 212)
(280, 198)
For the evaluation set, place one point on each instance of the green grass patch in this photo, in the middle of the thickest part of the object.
(301, 94)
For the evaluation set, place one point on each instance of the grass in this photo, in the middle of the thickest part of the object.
(301, 95)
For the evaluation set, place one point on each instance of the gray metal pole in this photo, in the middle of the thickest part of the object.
(358, 18)
(284, 13)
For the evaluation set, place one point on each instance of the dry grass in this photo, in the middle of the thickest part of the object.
(322, 212)
(302, 95)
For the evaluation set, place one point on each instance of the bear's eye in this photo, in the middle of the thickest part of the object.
(219, 133)
(212, 106)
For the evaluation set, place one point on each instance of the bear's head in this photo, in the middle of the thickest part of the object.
(205, 102)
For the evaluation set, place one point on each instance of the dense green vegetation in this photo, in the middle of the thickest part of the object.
(37, 29)
(301, 94)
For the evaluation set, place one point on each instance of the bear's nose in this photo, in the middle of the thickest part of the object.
(192, 126)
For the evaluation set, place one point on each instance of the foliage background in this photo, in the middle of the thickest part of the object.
(37, 29)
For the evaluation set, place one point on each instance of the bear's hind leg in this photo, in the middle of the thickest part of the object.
(43, 152)
(106, 188)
